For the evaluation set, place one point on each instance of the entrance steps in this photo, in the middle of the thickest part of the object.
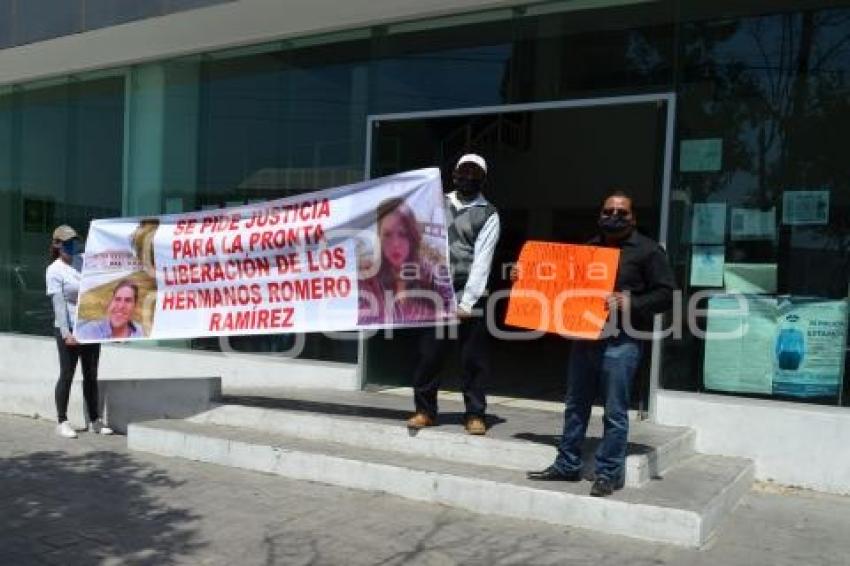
(358, 440)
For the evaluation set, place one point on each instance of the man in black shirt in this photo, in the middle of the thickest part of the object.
(643, 288)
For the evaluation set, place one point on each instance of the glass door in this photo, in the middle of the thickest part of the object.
(549, 171)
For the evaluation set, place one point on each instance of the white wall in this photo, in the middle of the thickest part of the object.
(792, 444)
(121, 401)
(33, 358)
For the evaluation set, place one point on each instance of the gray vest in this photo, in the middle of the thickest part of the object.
(463, 229)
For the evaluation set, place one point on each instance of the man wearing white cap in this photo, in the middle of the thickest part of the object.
(473, 231)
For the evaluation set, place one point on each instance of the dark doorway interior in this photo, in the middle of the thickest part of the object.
(549, 170)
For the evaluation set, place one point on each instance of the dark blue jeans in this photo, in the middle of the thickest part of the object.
(607, 366)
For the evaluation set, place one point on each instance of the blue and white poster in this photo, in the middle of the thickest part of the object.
(738, 344)
(707, 266)
(786, 345)
(810, 345)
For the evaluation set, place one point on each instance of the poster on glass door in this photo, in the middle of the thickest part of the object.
(810, 347)
(787, 346)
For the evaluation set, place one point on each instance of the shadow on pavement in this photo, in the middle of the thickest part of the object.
(589, 447)
(58, 508)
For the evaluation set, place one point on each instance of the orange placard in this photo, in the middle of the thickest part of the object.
(561, 288)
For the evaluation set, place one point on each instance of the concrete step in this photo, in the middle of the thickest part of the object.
(683, 508)
(653, 449)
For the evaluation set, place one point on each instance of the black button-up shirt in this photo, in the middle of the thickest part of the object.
(645, 274)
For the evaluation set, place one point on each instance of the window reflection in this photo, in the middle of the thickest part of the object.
(774, 90)
(60, 164)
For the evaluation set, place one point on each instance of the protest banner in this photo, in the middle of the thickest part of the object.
(368, 255)
(561, 288)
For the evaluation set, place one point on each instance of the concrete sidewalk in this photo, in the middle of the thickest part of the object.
(90, 501)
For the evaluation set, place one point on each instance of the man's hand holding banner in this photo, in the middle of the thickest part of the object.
(562, 288)
(368, 255)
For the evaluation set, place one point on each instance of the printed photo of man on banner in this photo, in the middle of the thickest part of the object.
(118, 295)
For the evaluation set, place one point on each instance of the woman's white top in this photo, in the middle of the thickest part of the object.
(63, 287)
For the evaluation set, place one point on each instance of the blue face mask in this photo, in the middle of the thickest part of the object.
(72, 247)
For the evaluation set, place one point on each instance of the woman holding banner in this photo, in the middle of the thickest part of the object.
(400, 286)
(63, 287)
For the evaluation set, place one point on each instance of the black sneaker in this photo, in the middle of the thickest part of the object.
(553, 474)
(603, 487)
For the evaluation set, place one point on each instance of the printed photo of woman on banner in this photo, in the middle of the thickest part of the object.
(398, 281)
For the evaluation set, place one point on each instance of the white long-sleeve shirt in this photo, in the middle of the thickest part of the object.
(63, 287)
(482, 261)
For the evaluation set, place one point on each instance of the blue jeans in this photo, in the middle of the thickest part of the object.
(607, 366)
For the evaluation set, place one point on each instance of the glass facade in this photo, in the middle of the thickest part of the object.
(61, 162)
(761, 92)
(773, 90)
(548, 169)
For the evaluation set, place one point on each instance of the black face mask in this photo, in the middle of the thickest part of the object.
(468, 188)
(614, 224)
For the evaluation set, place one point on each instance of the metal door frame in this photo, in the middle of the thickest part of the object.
(666, 97)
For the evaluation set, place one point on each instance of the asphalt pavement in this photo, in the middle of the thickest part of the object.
(91, 501)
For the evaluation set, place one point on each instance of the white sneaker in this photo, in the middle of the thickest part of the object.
(65, 430)
(98, 427)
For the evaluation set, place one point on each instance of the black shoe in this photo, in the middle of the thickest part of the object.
(603, 487)
(553, 474)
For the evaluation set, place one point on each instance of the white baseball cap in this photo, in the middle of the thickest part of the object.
(64, 233)
(472, 158)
